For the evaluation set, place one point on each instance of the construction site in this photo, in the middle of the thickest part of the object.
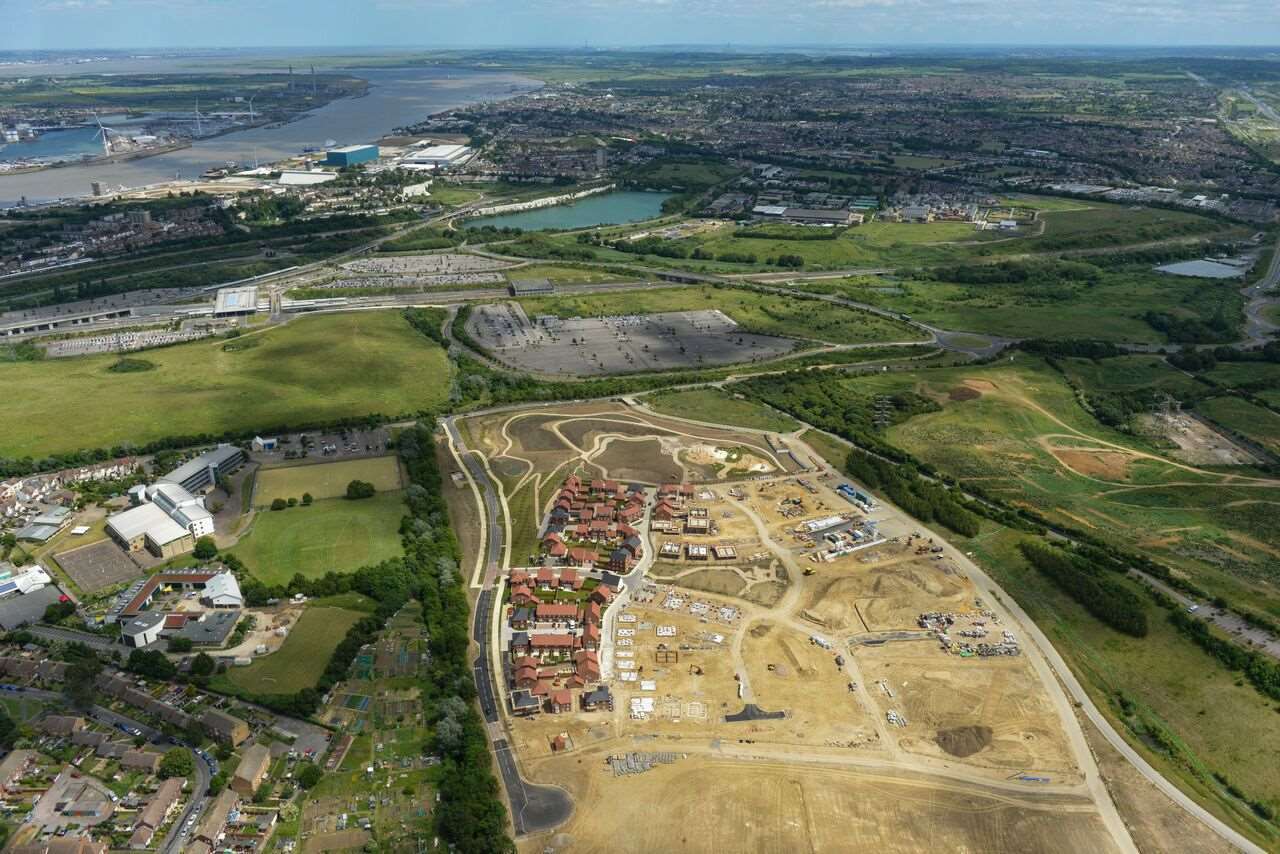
(790, 629)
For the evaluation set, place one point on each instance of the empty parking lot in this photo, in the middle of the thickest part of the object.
(619, 344)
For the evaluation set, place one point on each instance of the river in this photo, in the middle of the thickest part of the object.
(605, 209)
(396, 97)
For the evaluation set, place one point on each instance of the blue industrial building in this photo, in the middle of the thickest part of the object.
(351, 155)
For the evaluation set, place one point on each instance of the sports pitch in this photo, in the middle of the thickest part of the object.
(333, 534)
(325, 480)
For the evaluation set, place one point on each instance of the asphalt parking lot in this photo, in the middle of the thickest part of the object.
(618, 344)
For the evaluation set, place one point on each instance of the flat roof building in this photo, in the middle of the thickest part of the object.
(203, 472)
(238, 301)
(437, 157)
(350, 155)
(149, 527)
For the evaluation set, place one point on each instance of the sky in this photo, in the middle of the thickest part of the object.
(87, 24)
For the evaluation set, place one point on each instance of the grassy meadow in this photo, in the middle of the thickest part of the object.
(301, 659)
(333, 534)
(755, 312)
(312, 369)
(326, 480)
(719, 407)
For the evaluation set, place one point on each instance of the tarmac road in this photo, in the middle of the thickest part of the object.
(203, 774)
(534, 807)
(57, 633)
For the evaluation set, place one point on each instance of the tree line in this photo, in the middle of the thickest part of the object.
(1105, 598)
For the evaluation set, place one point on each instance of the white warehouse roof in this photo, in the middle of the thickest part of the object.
(147, 519)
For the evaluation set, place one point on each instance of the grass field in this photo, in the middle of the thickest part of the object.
(1217, 721)
(1018, 431)
(1074, 227)
(1260, 425)
(312, 369)
(714, 405)
(326, 480)
(756, 312)
(567, 275)
(1059, 309)
(302, 658)
(333, 534)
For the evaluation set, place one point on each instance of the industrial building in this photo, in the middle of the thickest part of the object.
(531, 287)
(351, 155)
(436, 157)
(236, 302)
(808, 216)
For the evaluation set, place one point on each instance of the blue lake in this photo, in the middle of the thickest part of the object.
(605, 209)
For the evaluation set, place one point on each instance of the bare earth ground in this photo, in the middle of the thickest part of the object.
(705, 804)
(787, 633)
(1156, 823)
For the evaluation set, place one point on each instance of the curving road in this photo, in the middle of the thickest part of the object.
(534, 808)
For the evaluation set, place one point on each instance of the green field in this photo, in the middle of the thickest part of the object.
(1217, 721)
(1260, 425)
(1096, 228)
(1109, 309)
(568, 275)
(303, 657)
(1017, 430)
(714, 405)
(310, 370)
(331, 535)
(326, 480)
(756, 312)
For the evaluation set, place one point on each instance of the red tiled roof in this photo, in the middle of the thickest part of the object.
(554, 610)
(551, 641)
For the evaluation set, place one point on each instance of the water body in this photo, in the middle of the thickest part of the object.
(67, 144)
(604, 209)
(396, 97)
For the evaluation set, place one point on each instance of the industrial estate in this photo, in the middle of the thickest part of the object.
(662, 451)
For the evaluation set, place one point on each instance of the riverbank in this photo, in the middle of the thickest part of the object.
(545, 202)
(396, 97)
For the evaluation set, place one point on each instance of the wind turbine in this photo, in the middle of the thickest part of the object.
(251, 116)
(199, 126)
(103, 131)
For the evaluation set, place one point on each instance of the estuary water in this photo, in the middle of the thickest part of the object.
(396, 97)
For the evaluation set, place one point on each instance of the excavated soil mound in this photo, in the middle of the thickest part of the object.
(964, 741)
